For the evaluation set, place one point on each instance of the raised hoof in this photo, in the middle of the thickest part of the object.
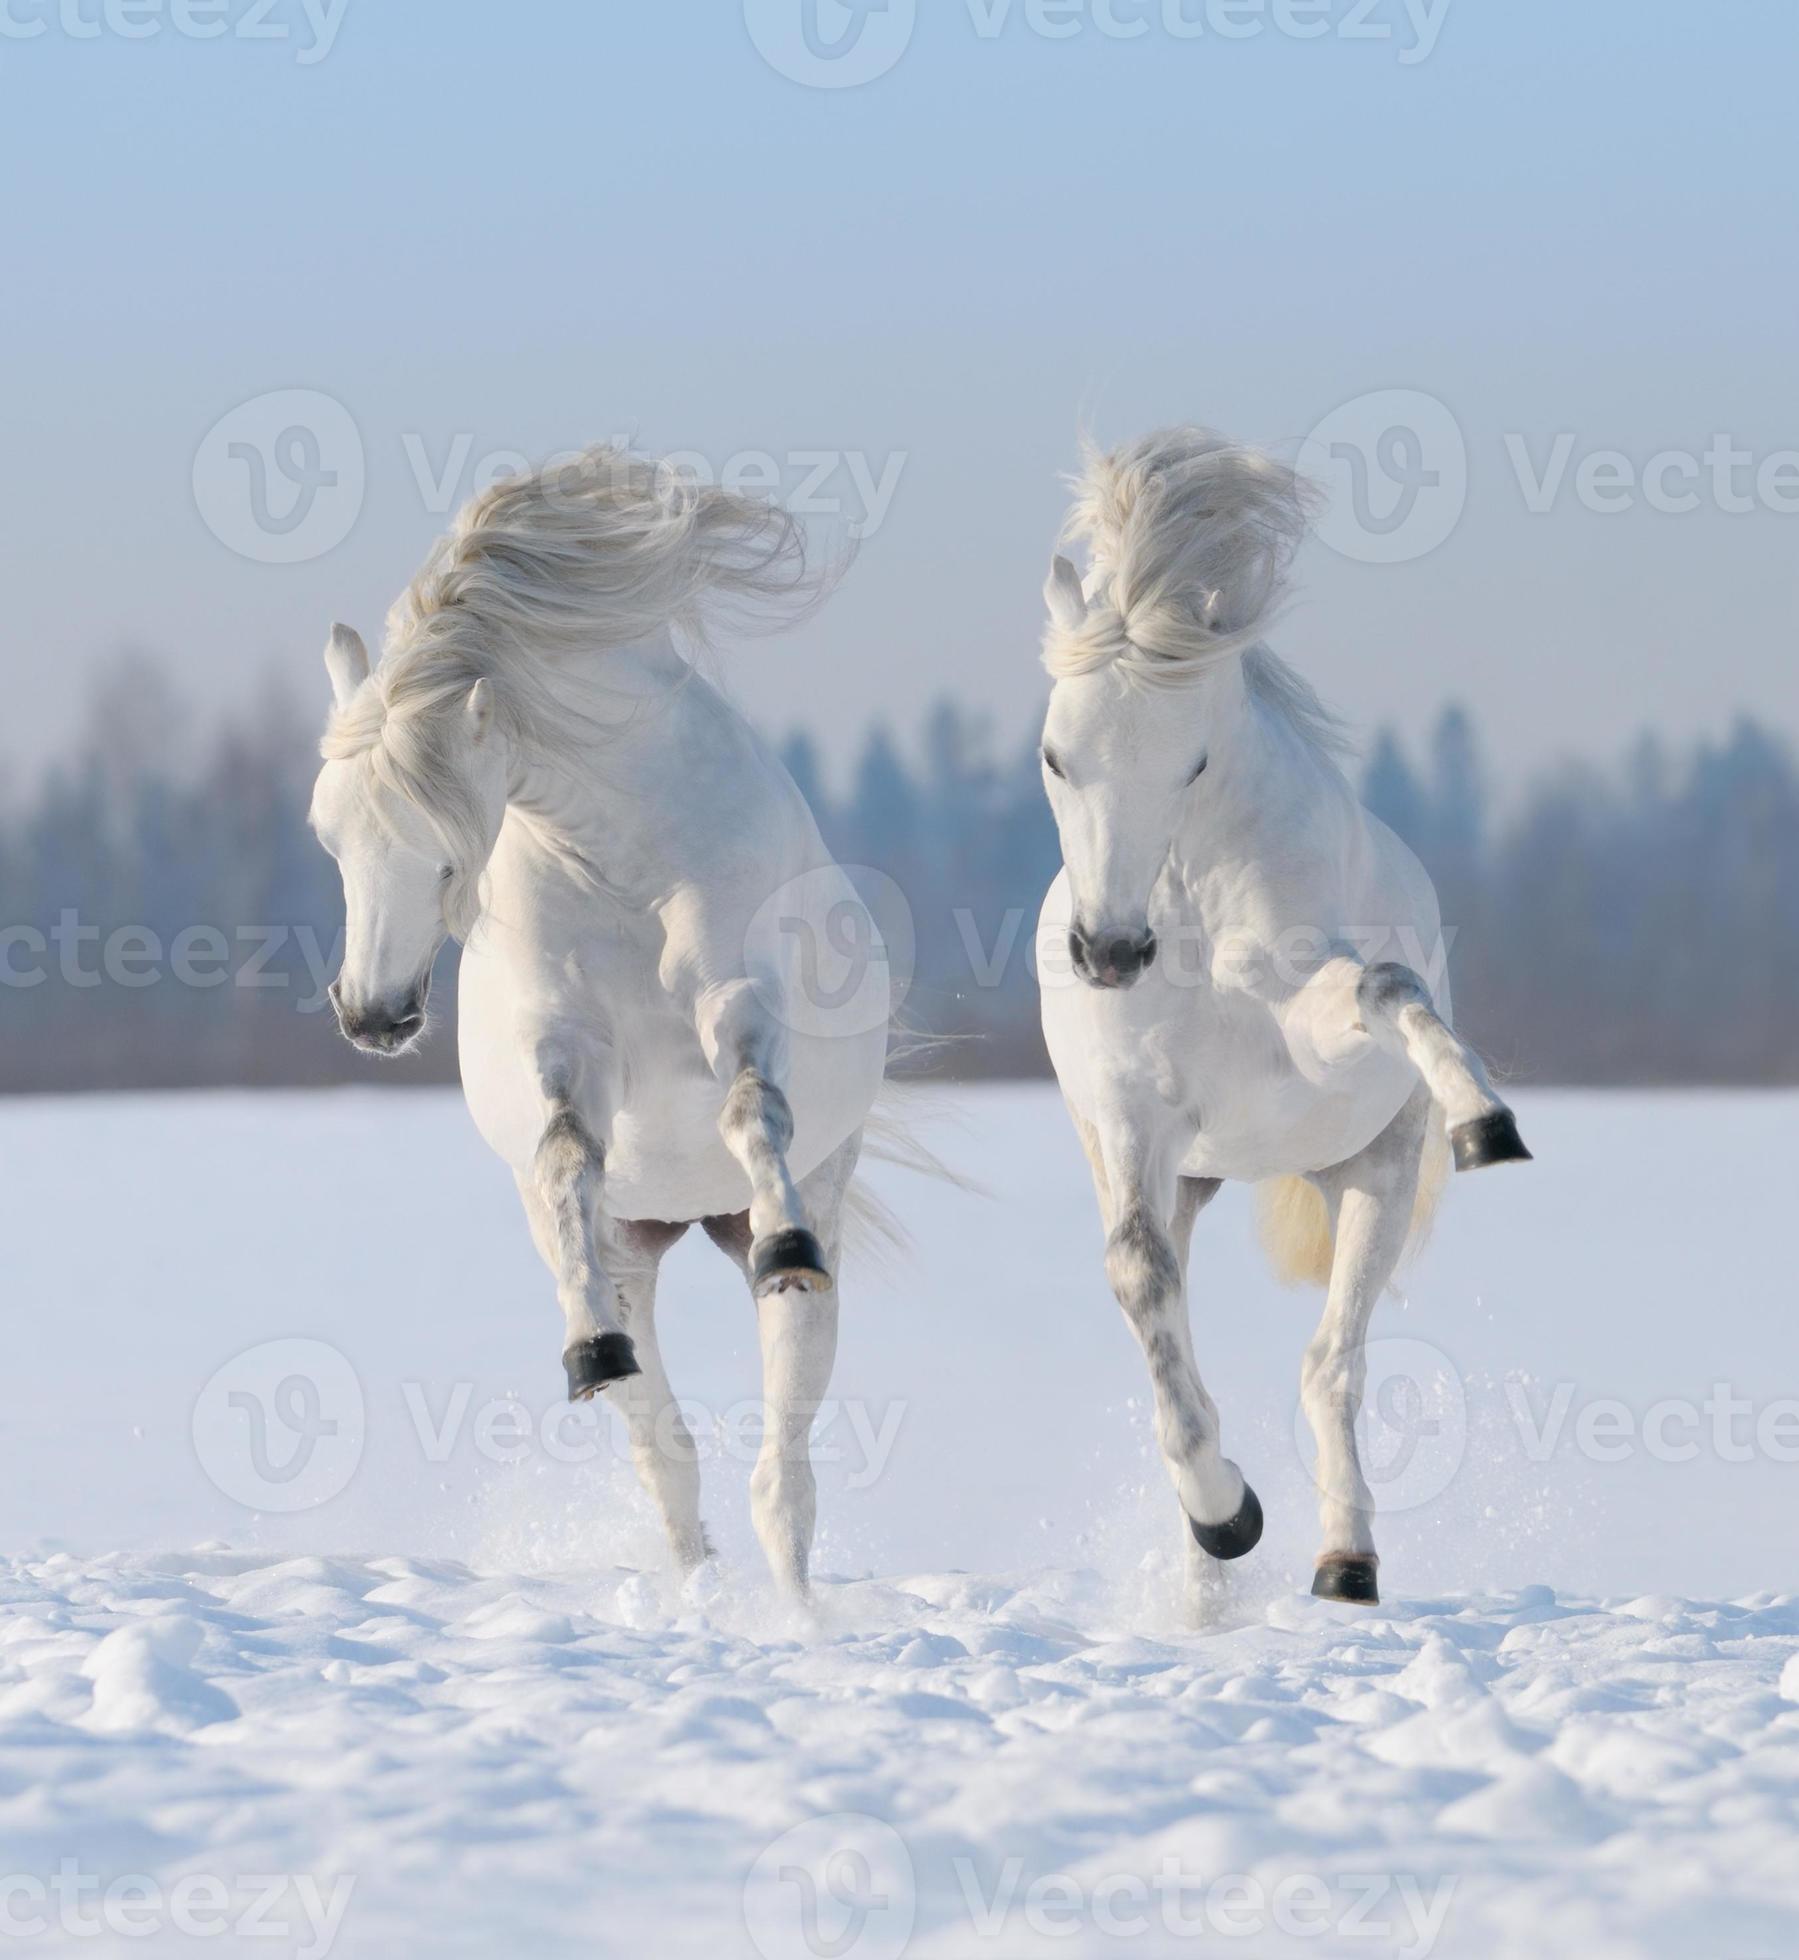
(1235, 1536)
(1348, 1576)
(788, 1261)
(592, 1364)
(1488, 1140)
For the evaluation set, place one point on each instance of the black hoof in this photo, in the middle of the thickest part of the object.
(1235, 1536)
(788, 1259)
(1488, 1140)
(1347, 1576)
(592, 1364)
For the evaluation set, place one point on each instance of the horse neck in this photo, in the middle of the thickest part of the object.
(1261, 773)
(599, 804)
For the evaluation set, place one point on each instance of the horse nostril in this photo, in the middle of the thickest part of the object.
(1126, 958)
(1110, 962)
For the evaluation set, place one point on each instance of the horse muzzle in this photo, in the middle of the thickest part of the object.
(1112, 960)
(380, 1028)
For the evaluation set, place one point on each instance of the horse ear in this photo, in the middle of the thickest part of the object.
(479, 709)
(347, 662)
(1063, 595)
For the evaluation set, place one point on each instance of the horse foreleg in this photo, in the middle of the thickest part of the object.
(1395, 1007)
(562, 1199)
(1145, 1264)
(746, 1047)
(1370, 1198)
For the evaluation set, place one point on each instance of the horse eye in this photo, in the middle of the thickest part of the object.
(1200, 771)
(445, 873)
(1052, 765)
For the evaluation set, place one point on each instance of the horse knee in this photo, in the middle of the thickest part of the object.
(1141, 1265)
(1331, 1380)
(781, 1482)
(754, 1107)
(1383, 990)
(566, 1155)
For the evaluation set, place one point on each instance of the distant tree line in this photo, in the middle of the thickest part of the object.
(166, 918)
(1633, 924)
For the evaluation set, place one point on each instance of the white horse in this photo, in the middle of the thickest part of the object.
(1230, 960)
(673, 1004)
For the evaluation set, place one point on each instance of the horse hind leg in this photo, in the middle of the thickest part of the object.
(797, 1328)
(1395, 1007)
(662, 1446)
(1371, 1199)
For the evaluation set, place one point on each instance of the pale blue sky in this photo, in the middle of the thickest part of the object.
(533, 225)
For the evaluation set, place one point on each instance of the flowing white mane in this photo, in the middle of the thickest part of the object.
(537, 579)
(1190, 537)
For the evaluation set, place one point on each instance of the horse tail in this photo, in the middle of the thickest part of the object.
(1295, 1227)
(1295, 1230)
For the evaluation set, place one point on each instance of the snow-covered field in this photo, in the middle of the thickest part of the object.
(323, 1618)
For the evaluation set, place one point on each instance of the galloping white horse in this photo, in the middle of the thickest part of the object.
(1229, 959)
(649, 1032)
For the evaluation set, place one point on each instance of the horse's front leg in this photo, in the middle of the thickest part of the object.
(1397, 1010)
(562, 1198)
(1371, 1199)
(746, 1046)
(1149, 1211)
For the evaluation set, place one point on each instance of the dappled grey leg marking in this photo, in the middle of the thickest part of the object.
(1144, 1269)
(757, 1126)
(568, 1172)
(1396, 1008)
